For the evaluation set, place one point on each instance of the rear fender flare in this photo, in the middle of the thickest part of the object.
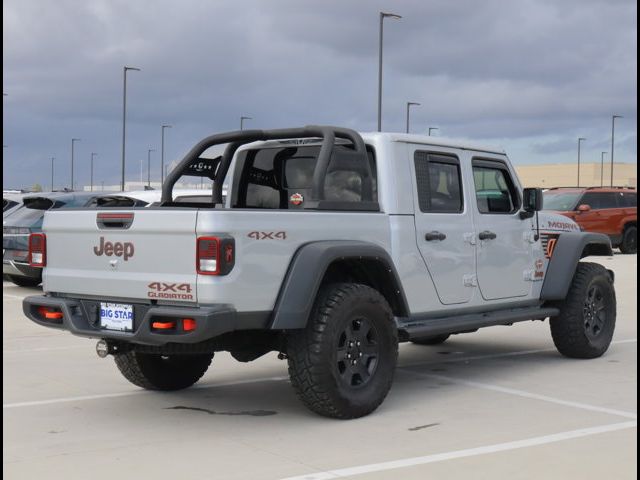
(307, 271)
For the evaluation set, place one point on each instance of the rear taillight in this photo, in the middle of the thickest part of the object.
(37, 250)
(215, 255)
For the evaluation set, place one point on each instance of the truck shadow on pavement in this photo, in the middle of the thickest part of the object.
(420, 378)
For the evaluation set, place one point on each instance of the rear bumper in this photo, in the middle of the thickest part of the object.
(20, 269)
(81, 317)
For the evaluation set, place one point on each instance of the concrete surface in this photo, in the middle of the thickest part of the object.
(500, 403)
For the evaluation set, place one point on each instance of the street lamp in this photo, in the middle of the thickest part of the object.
(73, 142)
(91, 182)
(162, 155)
(409, 104)
(580, 140)
(242, 119)
(602, 168)
(149, 166)
(432, 128)
(613, 131)
(383, 15)
(52, 160)
(124, 118)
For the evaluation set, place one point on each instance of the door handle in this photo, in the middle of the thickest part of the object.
(435, 235)
(487, 235)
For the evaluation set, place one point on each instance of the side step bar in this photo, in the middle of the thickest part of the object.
(416, 328)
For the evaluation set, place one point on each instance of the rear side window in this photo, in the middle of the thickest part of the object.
(438, 183)
(495, 190)
(600, 200)
(629, 199)
(282, 178)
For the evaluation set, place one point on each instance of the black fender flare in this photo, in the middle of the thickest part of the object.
(569, 249)
(306, 272)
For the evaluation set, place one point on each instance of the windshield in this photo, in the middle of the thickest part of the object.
(561, 201)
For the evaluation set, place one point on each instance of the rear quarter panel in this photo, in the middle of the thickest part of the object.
(265, 244)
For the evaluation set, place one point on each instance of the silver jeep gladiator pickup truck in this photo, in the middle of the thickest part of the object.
(330, 248)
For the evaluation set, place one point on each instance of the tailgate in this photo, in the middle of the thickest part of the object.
(134, 254)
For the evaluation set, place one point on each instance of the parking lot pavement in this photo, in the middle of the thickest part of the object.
(500, 403)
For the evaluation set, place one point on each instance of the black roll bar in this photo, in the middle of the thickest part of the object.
(238, 138)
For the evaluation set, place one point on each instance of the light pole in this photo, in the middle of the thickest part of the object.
(91, 177)
(383, 15)
(409, 104)
(242, 119)
(52, 160)
(124, 118)
(432, 128)
(149, 166)
(162, 156)
(73, 142)
(602, 168)
(613, 132)
(580, 140)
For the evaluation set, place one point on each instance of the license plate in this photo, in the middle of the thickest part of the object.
(116, 316)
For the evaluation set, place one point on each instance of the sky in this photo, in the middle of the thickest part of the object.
(528, 75)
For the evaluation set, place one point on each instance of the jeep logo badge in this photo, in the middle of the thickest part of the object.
(119, 249)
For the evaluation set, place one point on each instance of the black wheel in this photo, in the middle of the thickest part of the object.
(587, 317)
(25, 281)
(629, 240)
(162, 372)
(342, 364)
(434, 340)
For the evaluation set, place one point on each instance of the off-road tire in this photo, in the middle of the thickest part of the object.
(25, 281)
(162, 372)
(321, 373)
(629, 240)
(584, 328)
(433, 340)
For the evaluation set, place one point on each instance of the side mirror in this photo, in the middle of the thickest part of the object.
(584, 208)
(532, 200)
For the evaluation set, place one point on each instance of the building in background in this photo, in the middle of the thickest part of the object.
(566, 175)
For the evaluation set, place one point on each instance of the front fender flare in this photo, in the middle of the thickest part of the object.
(569, 249)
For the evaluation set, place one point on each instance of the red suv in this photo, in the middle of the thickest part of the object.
(612, 211)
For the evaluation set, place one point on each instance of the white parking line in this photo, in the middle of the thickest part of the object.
(469, 452)
(133, 392)
(13, 296)
(46, 349)
(524, 394)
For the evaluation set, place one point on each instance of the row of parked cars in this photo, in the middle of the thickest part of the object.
(23, 213)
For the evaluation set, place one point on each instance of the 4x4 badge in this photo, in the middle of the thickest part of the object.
(296, 199)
